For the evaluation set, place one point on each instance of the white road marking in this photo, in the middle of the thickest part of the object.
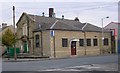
(83, 68)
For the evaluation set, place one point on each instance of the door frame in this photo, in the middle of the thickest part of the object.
(75, 49)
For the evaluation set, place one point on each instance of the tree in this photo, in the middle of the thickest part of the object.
(8, 38)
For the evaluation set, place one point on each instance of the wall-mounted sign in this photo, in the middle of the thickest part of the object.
(52, 33)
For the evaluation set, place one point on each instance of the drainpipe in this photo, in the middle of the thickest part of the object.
(33, 44)
(54, 46)
(85, 41)
(41, 44)
(28, 31)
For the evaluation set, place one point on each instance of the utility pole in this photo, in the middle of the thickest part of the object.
(102, 38)
(15, 56)
(102, 35)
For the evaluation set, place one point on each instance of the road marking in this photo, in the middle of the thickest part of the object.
(90, 67)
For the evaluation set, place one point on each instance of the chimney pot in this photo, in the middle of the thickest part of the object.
(62, 17)
(53, 15)
(43, 14)
(76, 19)
(4, 25)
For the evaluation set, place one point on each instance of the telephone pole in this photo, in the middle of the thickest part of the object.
(15, 56)
(102, 34)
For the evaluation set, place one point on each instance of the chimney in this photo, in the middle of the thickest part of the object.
(51, 11)
(53, 15)
(62, 17)
(76, 19)
(43, 14)
(4, 25)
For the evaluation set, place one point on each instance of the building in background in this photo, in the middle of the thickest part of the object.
(5, 27)
(113, 26)
(60, 37)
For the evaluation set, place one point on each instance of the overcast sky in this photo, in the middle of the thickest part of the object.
(90, 11)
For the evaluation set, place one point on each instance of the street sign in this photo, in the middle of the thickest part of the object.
(52, 33)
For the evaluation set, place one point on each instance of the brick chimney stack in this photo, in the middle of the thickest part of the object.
(51, 11)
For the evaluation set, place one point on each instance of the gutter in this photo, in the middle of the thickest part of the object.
(41, 44)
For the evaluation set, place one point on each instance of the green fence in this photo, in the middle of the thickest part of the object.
(10, 51)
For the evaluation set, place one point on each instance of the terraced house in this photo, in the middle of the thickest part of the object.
(60, 37)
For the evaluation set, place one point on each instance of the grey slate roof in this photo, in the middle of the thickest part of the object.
(65, 24)
(90, 27)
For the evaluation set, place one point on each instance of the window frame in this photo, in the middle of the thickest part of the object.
(24, 29)
(106, 42)
(87, 42)
(95, 42)
(81, 42)
(64, 42)
(37, 41)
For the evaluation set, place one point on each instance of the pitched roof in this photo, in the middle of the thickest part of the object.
(61, 24)
(90, 27)
(112, 24)
(47, 22)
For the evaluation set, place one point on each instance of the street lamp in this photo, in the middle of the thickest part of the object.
(102, 30)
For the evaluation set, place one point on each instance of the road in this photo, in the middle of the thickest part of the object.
(57, 63)
(89, 67)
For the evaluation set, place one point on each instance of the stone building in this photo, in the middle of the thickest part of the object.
(60, 37)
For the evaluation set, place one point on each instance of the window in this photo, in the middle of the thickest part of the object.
(64, 42)
(88, 42)
(95, 42)
(81, 42)
(37, 40)
(106, 41)
(24, 29)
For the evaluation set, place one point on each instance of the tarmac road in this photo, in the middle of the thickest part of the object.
(57, 63)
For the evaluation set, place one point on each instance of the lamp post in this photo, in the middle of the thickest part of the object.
(102, 30)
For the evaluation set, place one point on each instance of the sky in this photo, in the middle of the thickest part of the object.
(90, 11)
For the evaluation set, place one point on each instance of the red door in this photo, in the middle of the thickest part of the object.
(73, 48)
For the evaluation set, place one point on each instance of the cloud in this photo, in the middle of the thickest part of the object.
(59, 0)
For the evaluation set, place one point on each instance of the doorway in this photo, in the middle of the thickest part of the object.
(25, 47)
(73, 48)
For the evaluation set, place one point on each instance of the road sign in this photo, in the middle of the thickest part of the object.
(52, 33)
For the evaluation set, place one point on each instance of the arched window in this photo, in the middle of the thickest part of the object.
(37, 41)
(25, 29)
